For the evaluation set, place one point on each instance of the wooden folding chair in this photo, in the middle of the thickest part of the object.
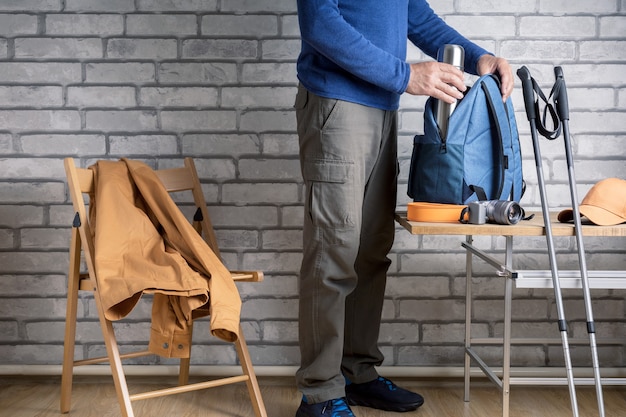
(80, 182)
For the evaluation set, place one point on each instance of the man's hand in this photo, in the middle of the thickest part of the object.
(436, 79)
(489, 64)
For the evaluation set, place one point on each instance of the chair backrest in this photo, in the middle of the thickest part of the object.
(81, 183)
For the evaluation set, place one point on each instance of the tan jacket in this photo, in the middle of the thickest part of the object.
(144, 244)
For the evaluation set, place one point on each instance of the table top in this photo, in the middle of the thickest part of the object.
(533, 227)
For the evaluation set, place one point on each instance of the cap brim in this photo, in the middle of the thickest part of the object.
(596, 215)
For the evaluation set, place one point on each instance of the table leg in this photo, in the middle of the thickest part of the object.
(468, 318)
(506, 348)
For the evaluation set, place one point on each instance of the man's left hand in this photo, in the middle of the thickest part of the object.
(489, 64)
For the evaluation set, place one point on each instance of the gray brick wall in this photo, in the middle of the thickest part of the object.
(215, 79)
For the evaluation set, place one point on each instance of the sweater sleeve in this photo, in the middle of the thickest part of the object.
(323, 27)
(429, 32)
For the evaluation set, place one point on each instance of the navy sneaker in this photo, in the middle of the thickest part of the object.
(382, 394)
(332, 408)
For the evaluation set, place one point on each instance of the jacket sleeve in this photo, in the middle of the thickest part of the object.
(429, 32)
(323, 27)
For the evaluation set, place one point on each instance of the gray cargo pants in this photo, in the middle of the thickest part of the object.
(348, 156)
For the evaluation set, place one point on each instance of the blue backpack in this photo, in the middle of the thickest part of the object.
(480, 159)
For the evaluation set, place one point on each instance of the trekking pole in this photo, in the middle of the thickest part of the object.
(529, 103)
(562, 110)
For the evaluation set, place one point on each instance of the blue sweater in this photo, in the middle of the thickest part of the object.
(355, 50)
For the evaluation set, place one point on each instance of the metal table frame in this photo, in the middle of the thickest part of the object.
(521, 279)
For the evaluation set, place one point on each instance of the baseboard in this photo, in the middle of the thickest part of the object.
(289, 371)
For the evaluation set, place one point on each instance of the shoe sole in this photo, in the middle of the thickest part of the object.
(385, 406)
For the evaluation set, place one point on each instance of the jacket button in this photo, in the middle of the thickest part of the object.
(166, 345)
(180, 347)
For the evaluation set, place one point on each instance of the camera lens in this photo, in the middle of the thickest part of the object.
(504, 212)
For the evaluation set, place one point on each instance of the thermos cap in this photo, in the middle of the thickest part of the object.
(453, 55)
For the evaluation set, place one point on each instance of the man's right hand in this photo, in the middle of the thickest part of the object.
(436, 79)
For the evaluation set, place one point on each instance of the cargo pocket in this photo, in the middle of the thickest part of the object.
(330, 188)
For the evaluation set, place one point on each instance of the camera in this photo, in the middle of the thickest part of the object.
(493, 211)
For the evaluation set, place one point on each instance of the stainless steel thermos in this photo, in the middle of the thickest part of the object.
(453, 55)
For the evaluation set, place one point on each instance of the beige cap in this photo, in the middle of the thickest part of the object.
(604, 204)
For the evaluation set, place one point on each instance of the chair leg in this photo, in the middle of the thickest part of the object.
(183, 371)
(119, 379)
(253, 385)
(69, 342)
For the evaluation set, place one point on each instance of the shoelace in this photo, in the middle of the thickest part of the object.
(337, 406)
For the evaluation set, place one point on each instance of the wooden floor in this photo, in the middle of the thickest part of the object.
(95, 397)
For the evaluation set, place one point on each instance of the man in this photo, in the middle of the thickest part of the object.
(352, 70)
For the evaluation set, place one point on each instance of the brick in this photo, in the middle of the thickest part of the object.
(539, 50)
(269, 169)
(119, 72)
(280, 331)
(126, 48)
(32, 354)
(34, 262)
(39, 120)
(23, 168)
(281, 239)
(178, 97)
(483, 26)
(6, 144)
(178, 25)
(264, 309)
(129, 120)
(269, 73)
(193, 73)
(20, 215)
(255, 97)
(177, 5)
(272, 262)
(57, 48)
(32, 192)
(63, 144)
(9, 330)
(219, 48)
(399, 333)
(191, 120)
(30, 285)
(598, 51)
(259, 193)
(31, 5)
(101, 96)
(6, 239)
(99, 25)
(612, 27)
(432, 310)
(220, 144)
(45, 238)
(98, 6)
(566, 27)
(279, 286)
(17, 24)
(237, 239)
(137, 145)
(31, 96)
(243, 216)
(288, 49)
(268, 121)
(493, 6)
(289, 26)
(258, 26)
(280, 145)
(577, 6)
(274, 355)
(273, 6)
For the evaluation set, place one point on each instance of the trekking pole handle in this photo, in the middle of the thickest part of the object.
(560, 99)
(529, 95)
